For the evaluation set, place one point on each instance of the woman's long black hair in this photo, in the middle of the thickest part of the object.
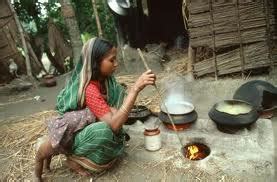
(100, 48)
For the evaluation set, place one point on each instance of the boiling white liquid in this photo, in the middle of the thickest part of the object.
(233, 109)
(178, 108)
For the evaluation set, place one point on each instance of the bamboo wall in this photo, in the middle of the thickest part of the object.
(238, 32)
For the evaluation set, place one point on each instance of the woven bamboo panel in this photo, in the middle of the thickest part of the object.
(228, 39)
(198, 6)
(256, 55)
(251, 21)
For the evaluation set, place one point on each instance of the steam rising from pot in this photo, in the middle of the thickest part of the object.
(174, 87)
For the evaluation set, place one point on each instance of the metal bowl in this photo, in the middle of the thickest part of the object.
(119, 6)
(178, 119)
(177, 107)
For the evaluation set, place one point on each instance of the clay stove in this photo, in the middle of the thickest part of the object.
(247, 153)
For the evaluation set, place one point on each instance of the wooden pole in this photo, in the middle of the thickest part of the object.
(23, 41)
(105, 10)
(191, 60)
(240, 40)
(268, 36)
(100, 33)
(213, 33)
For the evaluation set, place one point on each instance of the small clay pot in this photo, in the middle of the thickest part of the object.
(151, 132)
(49, 81)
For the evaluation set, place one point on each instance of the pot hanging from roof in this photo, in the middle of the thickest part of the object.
(119, 7)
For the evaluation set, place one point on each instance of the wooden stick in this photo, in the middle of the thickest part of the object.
(23, 40)
(214, 47)
(100, 32)
(268, 37)
(240, 39)
(160, 95)
(191, 61)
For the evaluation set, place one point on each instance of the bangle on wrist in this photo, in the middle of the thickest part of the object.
(124, 109)
(136, 89)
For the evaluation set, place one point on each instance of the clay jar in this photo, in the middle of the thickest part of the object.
(152, 139)
(49, 81)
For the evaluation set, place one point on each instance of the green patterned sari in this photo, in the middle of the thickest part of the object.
(96, 142)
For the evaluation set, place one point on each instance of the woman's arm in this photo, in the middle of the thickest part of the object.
(117, 119)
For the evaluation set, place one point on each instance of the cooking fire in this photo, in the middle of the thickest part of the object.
(196, 151)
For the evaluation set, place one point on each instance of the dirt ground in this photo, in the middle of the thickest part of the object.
(15, 106)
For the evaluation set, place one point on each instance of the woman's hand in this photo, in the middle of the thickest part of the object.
(147, 78)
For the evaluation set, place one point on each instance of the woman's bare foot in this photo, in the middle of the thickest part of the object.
(77, 168)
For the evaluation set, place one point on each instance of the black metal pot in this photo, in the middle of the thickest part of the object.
(138, 112)
(178, 118)
(261, 94)
(177, 108)
(233, 120)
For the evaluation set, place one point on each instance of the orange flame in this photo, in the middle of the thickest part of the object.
(193, 152)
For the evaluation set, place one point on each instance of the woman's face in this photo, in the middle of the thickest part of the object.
(109, 63)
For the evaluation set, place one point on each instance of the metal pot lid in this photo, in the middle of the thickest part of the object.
(177, 107)
(119, 6)
(233, 107)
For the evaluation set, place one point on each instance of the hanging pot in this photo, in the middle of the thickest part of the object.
(233, 113)
(119, 7)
